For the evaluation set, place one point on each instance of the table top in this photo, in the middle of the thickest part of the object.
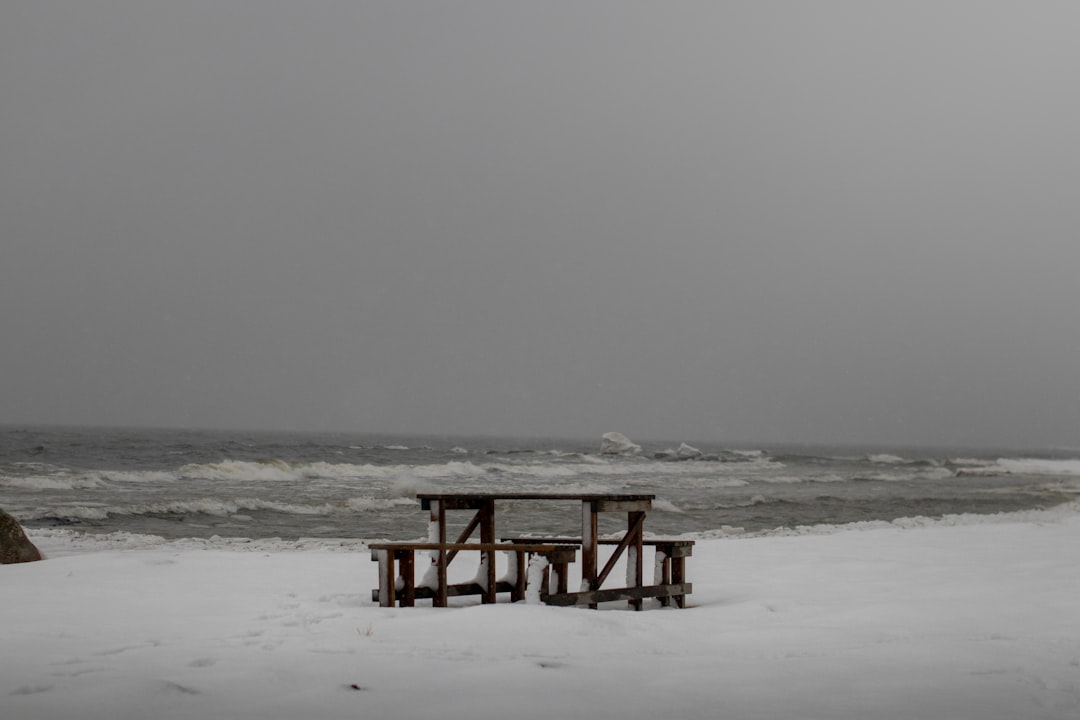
(583, 497)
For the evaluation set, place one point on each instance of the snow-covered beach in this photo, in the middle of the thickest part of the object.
(276, 276)
(966, 617)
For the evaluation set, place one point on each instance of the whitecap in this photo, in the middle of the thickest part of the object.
(886, 459)
(1032, 466)
(665, 506)
(38, 482)
(368, 504)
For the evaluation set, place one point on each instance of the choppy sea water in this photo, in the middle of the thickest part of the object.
(200, 484)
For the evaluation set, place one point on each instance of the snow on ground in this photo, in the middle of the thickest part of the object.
(971, 619)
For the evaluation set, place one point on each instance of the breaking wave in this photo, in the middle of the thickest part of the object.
(51, 482)
(886, 459)
(1018, 466)
(214, 507)
(279, 471)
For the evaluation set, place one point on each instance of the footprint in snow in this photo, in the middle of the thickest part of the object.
(31, 689)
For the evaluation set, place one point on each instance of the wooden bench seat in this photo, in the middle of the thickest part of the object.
(683, 548)
(670, 576)
(402, 588)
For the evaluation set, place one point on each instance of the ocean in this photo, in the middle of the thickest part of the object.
(201, 484)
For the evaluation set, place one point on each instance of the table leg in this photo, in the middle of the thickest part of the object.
(589, 543)
(437, 528)
(635, 523)
(487, 535)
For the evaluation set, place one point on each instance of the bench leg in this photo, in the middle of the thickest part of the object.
(387, 578)
(536, 588)
(408, 590)
(678, 575)
(521, 576)
(663, 561)
(487, 535)
(562, 581)
(485, 577)
(545, 582)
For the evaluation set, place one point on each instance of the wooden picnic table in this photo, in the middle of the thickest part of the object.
(635, 507)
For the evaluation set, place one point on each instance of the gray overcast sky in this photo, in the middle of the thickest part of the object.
(729, 221)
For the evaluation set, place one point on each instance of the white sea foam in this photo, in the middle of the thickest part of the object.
(1031, 466)
(829, 478)
(689, 468)
(594, 460)
(886, 459)
(1019, 466)
(266, 471)
(64, 479)
(541, 470)
(144, 476)
(216, 507)
(711, 481)
(279, 471)
(1057, 513)
(66, 541)
(52, 482)
(748, 453)
(615, 443)
(785, 479)
(925, 473)
(369, 504)
(70, 511)
(584, 487)
(407, 485)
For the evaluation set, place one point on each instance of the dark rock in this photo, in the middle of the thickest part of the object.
(15, 547)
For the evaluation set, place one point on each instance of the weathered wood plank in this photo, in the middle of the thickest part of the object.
(439, 557)
(487, 535)
(635, 524)
(678, 575)
(521, 576)
(678, 551)
(465, 535)
(455, 590)
(479, 547)
(559, 557)
(589, 530)
(591, 597)
(632, 534)
(473, 501)
(387, 579)
(654, 542)
(454, 502)
(407, 572)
